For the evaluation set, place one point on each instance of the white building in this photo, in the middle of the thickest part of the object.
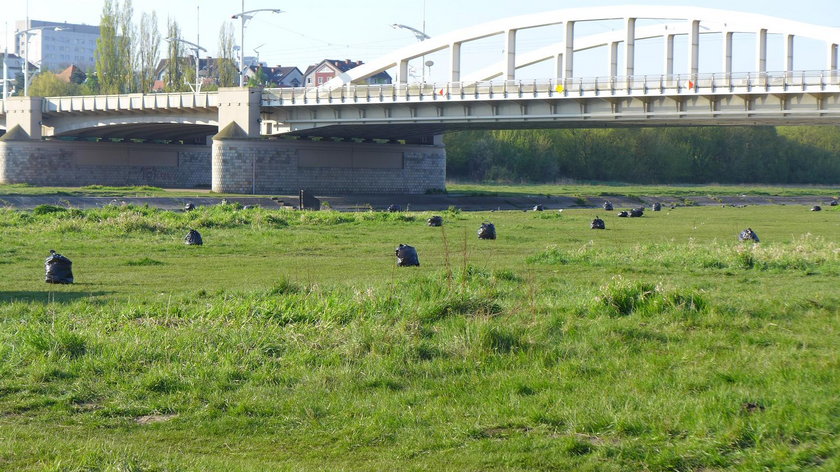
(14, 66)
(58, 45)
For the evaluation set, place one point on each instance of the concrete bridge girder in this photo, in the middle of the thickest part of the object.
(167, 125)
(747, 108)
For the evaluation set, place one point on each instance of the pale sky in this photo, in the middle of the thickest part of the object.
(310, 31)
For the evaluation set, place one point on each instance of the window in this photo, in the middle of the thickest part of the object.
(320, 80)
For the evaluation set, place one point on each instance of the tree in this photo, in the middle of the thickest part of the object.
(148, 52)
(260, 79)
(47, 84)
(174, 70)
(228, 70)
(19, 84)
(108, 68)
(91, 85)
(126, 45)
(78, 76)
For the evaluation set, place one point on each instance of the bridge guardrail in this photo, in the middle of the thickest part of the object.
(128, 102)
(805, 81)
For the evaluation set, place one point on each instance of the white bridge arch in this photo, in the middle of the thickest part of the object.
(688, 21)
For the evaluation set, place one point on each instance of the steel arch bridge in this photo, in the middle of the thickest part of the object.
(672, 21)
(491, 96)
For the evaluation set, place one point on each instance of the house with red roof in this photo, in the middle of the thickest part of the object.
(321, 73)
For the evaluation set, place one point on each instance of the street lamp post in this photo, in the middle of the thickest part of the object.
(195, 48)
(421, 36)
(26, 34)
(245, 16)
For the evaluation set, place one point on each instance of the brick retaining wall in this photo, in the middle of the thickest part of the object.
(68, 163)
(283, 167)
(280, 167)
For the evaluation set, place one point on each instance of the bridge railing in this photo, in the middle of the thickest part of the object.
(130, 102)
(805, 81)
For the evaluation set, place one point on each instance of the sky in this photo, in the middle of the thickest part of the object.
(310, 31)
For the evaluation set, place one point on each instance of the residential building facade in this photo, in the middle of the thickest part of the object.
(279, 76)
(56, 46)
(14, 67)
(319, 74)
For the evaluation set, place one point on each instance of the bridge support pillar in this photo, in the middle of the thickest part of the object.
(455, 63)
(727, 55)
(247, 165)
(694, 49)
(669, 56)
(761, 51)
(240, 106)
(788, 53)
(630, 48)
(569, 54)
(26, 113)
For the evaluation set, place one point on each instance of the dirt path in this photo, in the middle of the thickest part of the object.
(412, 202)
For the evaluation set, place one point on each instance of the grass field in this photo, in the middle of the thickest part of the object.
(290, 341)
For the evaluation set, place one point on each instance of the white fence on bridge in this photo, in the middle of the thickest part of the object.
(647, 85)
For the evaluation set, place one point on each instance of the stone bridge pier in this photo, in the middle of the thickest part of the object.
(245, 162)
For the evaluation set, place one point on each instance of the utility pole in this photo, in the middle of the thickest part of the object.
(5, 66)
(243, 17)
(242, 47)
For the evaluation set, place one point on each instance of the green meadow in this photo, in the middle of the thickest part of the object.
(291, 341)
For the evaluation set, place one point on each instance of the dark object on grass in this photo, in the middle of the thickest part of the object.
(487, 231)
(59, 269)
(816, 208)
(751, 407)
(407, 256)
(608, 205)
(637, 212)
(435, 221)
(833, 203)
(307, 201)
(598, 223)
(623, 214)
(539, 207)
(189, 207)
(657, 206)
(748, 235)
(394, 208)
(193, 238)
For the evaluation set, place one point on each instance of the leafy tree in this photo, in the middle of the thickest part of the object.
(108, 66)
(260, 79)
(148, 52)
(91, 84)
(19, 83)
(649, 155)
(126, 45)
(227, 67)
(47, 84)
(78, 76)
(175, 69)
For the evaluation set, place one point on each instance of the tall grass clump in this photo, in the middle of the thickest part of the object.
(804, 253)
(623, 297)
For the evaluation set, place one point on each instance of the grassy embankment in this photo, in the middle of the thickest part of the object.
(290, 341)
